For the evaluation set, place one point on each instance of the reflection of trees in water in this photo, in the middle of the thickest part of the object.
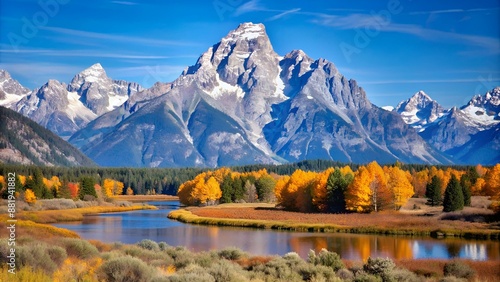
(453, 249)
(355, 246)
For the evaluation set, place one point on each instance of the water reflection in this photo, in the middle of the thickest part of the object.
(131, 227)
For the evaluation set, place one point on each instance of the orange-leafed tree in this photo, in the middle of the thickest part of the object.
(296, 195)
(280, 186)
(319, 190)
(73, 189)
(358, 194)
(492, 186)
(130, 191)
(401, 188)
(29, 196)
(419, 181)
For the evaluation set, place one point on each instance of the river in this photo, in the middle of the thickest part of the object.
(134, 226)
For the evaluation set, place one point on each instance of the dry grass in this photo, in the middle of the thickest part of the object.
(486, 271)
(388, 222)
(145, 198)
(52, 216)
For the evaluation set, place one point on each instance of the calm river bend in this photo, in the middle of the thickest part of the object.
(134, 226)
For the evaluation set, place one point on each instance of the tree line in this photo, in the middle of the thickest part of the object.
(370, 188)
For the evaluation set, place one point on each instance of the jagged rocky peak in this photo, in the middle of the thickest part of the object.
(418, 101)
(93, 74)
(490, 99)
(4, 75)
(8, 85)
(419, 110)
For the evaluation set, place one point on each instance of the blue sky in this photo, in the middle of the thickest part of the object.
(393, 48)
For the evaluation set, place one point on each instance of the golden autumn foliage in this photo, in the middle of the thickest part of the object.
(419, 181)
(130, 191)
(358, 194)
(111, 187)
(203, 189)
(370, 188)
(297, 194)
(29, 196)
(280, 185)
(319, 192)
(380, 193)
(400, 186)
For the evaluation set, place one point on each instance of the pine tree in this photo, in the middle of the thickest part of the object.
(433, 191)
(465, 183)
(453, 196)
(227, 189)
(87, 187)
(336, 186)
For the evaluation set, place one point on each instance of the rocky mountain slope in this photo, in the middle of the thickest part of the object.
(64, 109)
(470, 134)
(242, 103)
(23, 141)
(11, 91)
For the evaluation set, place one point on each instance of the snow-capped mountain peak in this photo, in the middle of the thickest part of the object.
(419, 110)
(95, 73)
(11, 91)
(247, 31)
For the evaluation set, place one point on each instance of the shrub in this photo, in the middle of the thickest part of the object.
(311, 272)
(57, 254)
(148, 245)
(458, 269)
(36, 256)
(58, 204)
(26, 274)
(345, 274)
(403, 275)
(206, 259)
(231, 253)
(125, 269)
(164, 246)
(379, 266)
(80, 248)
(326, 258)
(283, 268)
(226, 271)
(362, 276)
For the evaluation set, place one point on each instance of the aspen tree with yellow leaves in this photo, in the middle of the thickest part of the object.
(358, 194)
(401, 188)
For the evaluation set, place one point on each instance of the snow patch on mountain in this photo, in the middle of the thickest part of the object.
(77, 109)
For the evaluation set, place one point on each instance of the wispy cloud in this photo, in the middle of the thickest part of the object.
(125, 3)
(117, 38)
(355, 21)
(250, 6)
(88, 53)
(449, 11)
(417, 81)
(280, 15)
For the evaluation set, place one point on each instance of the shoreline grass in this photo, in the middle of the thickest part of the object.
(77, 214)
(187, 216)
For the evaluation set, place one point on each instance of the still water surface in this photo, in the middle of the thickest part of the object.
(132, 227)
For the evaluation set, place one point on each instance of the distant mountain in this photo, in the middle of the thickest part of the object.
(242, 103)
(11, 91)
(470, 134)
(420, 110)
(64, 109)
(23, 141)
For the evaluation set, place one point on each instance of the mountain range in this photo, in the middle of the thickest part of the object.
(23, 141)
(242, 103)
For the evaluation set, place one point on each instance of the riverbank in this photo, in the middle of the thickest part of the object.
(266, 216)
(145, 198)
